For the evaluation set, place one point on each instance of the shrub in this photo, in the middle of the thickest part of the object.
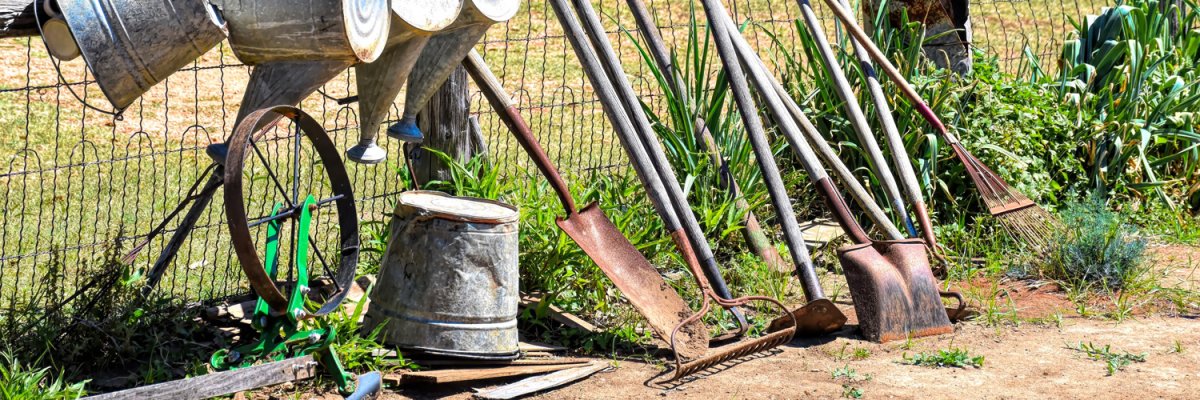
(1099, 249)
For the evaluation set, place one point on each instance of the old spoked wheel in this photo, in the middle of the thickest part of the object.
(269, 173)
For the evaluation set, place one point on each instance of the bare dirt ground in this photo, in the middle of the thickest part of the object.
(1029, 358)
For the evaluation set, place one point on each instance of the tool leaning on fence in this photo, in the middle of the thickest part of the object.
(659, 191)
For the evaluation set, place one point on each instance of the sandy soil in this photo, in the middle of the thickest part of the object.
(1029, 359)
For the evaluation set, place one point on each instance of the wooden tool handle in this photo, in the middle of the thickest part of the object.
(491, 88)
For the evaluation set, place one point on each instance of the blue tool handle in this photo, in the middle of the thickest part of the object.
(368, 386)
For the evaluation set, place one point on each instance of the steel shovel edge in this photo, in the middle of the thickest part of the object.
(895, 294)
(639, 281)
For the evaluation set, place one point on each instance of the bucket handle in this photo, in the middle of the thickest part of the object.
(118, 115)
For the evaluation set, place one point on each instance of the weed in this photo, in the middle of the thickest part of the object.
(952, 357)
(861, 353)
(22, 382)
(1099, 249)
(1177, 347)
(849, 378)
(1113, 360)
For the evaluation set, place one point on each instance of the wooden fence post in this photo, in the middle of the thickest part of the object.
(16, 19)
(446, 124)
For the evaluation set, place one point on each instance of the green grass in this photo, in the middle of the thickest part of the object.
(1114, 361)
(22, 382)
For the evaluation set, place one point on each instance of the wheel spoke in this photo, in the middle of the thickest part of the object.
(324, 264)
(296, 166)
(271, 173)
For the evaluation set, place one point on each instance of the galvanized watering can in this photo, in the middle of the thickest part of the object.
(380, 82)
(445, 51)
(298, 45)
(130, 45)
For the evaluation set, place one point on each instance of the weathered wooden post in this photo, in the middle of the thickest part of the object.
(947, 22)
(445, 120)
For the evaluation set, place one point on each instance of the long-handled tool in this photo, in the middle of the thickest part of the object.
(752, 231)
(643, 164)
(770, 170)
(598, 237)
(854, 113)
(1021, 216)
(679, 214)
(895, 294)
(900, 159)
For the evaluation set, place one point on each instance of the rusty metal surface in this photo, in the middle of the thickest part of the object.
(131, 45)
(448, 284)
(303, 30)
(895, 293)
(817, 318)
(629, 270)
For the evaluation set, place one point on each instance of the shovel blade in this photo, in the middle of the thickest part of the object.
(637, 279)
(817, 318)
(895, 294)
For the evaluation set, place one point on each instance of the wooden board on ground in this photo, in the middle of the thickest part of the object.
(527, 347)
(499, 363)
(477, 374)
(557, 314)
(539, 383)
(222, 383)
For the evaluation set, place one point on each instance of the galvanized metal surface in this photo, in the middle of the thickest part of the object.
(130, 45)
(285, 83)
(380, 82)
(447, 48)
(448, 284)
(301, 30)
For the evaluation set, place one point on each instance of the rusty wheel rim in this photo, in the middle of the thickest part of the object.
(253, 185)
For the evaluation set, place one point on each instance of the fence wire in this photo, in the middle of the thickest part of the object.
(76, 184)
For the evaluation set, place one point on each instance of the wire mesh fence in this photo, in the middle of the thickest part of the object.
(77, 184)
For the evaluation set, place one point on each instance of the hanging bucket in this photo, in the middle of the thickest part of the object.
(131, 45)
(448, 283)
(446, 50)
(379, 82)
(262, 31)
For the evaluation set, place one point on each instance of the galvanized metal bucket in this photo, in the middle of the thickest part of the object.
(262, 31)
(130, 45)
(380, 82)
(445, 51)
(448, 284)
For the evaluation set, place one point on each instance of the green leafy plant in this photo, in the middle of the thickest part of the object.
(849, 378)
(1114, 361)
(1099, 249)
(22, 382)
(951, 357)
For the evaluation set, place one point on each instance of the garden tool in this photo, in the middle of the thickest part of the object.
(597, 236)
(379, 82)
(900, 159)
(895, 294)
(1020, 216)
(643, 165)
(820, 315)
(679, 214)
(446, 51)
(854, 113)
(752, 232)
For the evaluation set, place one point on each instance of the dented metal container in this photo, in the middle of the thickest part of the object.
(130, 45)
(448, 284)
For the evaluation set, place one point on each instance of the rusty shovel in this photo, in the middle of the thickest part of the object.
(598, 237)
(895, 293)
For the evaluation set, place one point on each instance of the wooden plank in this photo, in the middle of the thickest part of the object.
(539, 383)
(557, 314)
(526, 347)
(478, 374)
(499, 363)
(222, 383)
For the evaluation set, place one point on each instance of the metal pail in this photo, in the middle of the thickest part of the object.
(445, 51)
(130, 45)
(448, 284)
(262, 31)
(380, 82)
